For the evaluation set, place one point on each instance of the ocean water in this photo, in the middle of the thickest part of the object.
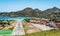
(12, 18)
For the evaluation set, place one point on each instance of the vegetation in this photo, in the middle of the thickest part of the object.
(29, 12)
(52, 14)
(28, 20)
(3, 24)
(45, 33)
(2, 32)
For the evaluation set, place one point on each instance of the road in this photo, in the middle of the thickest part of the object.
(18, 29)
(42, 27)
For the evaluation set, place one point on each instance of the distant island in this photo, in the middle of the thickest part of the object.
(50, 13)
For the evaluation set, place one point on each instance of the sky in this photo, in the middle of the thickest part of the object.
(16, 5)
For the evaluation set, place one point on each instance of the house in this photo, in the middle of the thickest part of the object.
(57, 23)
(54, 24)
(51, 24)
(43, 22)
(35, 20)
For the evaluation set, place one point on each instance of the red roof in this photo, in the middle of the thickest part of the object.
(58, 25)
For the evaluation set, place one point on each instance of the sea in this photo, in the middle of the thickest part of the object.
(12, 18)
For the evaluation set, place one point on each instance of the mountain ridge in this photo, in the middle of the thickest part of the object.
(29, 12)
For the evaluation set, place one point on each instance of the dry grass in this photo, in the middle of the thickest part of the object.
(29, 28)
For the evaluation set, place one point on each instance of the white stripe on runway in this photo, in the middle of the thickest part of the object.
(18, 30)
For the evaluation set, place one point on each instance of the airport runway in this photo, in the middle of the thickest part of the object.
(18, 29)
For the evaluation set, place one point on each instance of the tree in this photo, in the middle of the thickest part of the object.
(8, 22)
(3, 24)
(28, 20)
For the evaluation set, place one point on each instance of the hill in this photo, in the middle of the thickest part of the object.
(29, 12)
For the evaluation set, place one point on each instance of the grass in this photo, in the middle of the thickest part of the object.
(45, 33)
(2, 32)
(6, 31)
(11, 28)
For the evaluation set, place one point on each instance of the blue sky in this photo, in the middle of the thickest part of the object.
(15, 5)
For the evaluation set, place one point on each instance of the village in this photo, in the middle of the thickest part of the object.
(47, 22)
(28, 26)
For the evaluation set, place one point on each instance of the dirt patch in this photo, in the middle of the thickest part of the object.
(29, 28)
(10, 26)
(33, 30)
